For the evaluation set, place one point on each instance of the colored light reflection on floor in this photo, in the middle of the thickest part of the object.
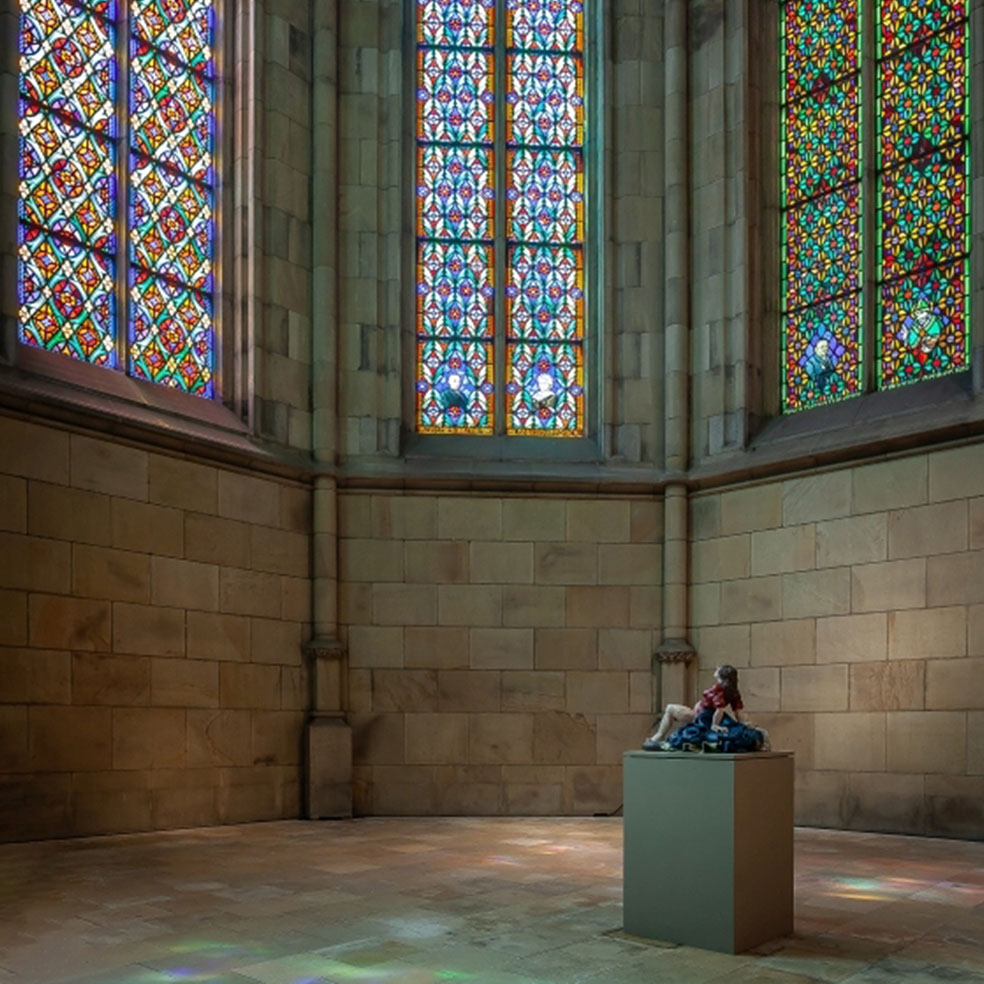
(873, 889)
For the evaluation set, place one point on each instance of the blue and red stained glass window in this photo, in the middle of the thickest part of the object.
(511, 295)
(85, 196)
(918, 260)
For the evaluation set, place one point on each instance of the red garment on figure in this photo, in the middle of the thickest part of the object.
(713, 698)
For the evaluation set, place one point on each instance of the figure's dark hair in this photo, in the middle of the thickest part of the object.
(729, 681)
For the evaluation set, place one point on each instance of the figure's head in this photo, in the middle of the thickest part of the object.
(454, 380)
(822, 347)
(544, 382)
(726, 675)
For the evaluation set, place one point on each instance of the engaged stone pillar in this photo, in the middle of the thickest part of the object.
(329, 737)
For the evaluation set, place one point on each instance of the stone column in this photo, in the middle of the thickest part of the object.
(329, 737)
(675, 653)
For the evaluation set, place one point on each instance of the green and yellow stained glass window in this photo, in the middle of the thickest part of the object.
(117, 186)
(911, 274)
(500, 290)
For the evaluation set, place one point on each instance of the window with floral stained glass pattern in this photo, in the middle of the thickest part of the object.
(910, 275)
(117, 186)
(500, 291)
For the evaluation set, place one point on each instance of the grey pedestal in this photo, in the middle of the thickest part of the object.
(708, 850)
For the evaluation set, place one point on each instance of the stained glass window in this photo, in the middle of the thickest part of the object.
(512, 293)
(83, 192)
(918, 259)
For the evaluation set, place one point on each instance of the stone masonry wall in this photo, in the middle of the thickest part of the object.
(853, 602)
(499, 648)
(152, 611)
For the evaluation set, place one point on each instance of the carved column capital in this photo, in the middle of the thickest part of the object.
(674, 651)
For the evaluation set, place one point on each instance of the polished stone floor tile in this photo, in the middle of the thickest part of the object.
(424, 901)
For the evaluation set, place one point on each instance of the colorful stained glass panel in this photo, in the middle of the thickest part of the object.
(544, 100)
(923, 319)
(455, 23)
(820, 43)
(67, 61)
(904, 21)
(455, 100)
(922, 95)
(454, 386)
(544, 294)
(545, 196)
(544, 25)
(545, 392)
(455, 199)
(171, 334)
(182, 28)
(821, 139)
(454, 292)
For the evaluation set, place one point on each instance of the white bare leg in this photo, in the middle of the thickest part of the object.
(675, 716)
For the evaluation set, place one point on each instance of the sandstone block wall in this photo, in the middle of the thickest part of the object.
(853, 602)
(499, 648)
(152, 612)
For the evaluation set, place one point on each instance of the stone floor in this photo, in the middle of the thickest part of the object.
(489, 901)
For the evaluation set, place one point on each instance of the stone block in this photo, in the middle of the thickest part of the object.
(975, 743)
(69, 623)
(814, 688)
(855, 540)
(13, 618)
(15, 751)
(377, 738)
(956, 473)
(927, 741)
(852, 638)
(753, 600)
(533, 799)
(887, 686)
(116, 575)
(13, 504)
(99, 678)
(705, 603)
(601, 607)
(892, 585)
(760, 690)
(148, 630)
(275, 641)
(295, 598)
(435, 647)
(931, 633)
(597, 692)
(538, 520)
(645, 605)
(598, 521)
(756, 508)
(35, 676)
(436, 561)
(817, 593)
(721, 559)
(851, 742)
(69, 514)
(146, 528)
(372, 646)
(645, 521)
(148, 737)
(34, 450)
(402, 517)
(719, 644)
(787, 732)
(956, 579)
(895, 484)
(469, 690)
(565, 563)
(296, 508)
(923, 530)
(617, 733)
(35, 564)
(371, 560)
(949, 684)
(184, 683)
(536, 690)
(501, 649)
(566, 649)
(785, 643)
(243, 592)
(252, 500)
(955, 805)
(976, 523)
(494, 739)
(892, 803)
(975, 629)
(592, 789)
(469, 604)
(532, 606)
(184, 584)
(819, 798)
(404, 690)
(404, 604)
(182, 484)
(561, 738)
(277, 737)
(629, 563)
(815, 497)
(500, 563)
(437, 739)
(214, 636)
(280, 551)
(783, 550)
(625, 649)
(218, 737)
(249, 685)
(295, 688)
(705, 517)
(115, 469)
(469, 518)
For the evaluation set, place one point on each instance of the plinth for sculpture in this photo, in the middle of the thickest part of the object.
(708, 848)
